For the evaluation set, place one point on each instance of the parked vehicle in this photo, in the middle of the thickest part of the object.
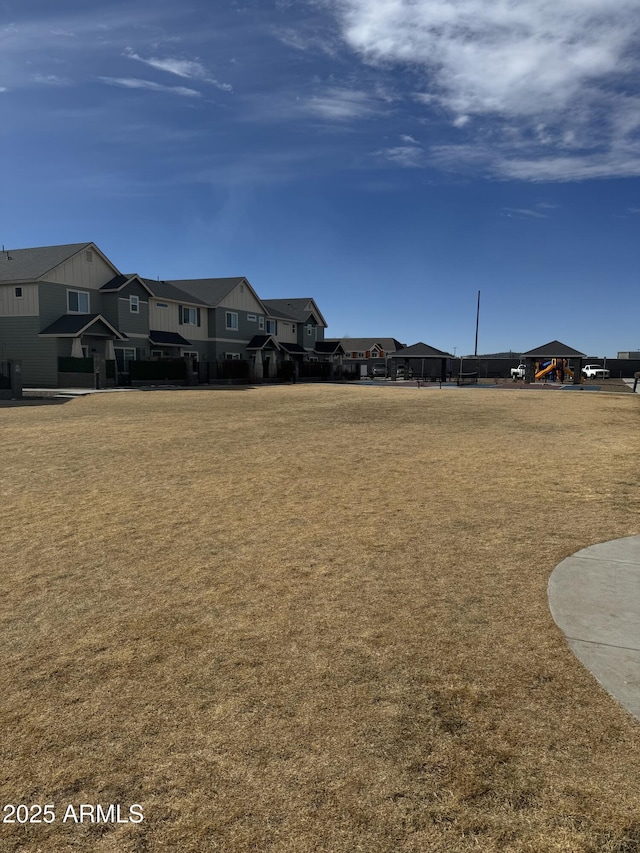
(595, 371)
(518, 372)
(379, 370)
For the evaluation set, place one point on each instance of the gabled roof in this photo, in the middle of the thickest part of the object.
(120, 281)
(172, 339)
(34, 264)
(72, 325)
(168, 290)
(329, 347)
(554, 349)
(297, 309)
(421, 350)
(389, 345)
(211, 291)
(262, 341)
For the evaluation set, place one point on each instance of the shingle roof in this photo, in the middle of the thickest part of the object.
(294, 309)
(168, 290)
(293, 349)
(389, 345)
(33, 264)
(328, 347)
(261, 341)
(71, 325)
(554, 349)
(421, 350)
(209, 291)
(168, 338)
(119, 281)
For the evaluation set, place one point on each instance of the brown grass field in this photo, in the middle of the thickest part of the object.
(311, 618)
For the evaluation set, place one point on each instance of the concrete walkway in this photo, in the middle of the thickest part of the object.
(594, 597)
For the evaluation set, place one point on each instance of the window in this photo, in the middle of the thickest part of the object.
(190, 354)
(18, 292)
(251, 318)
(77, 302)
(161, 305)
(272, 327)
(231, 320)
(261, 322)
(309, 328)
(124, 355)
(188, 316)
(134, 304)
(232, 356)
(156, 353)
(360, 355)
(293, 327)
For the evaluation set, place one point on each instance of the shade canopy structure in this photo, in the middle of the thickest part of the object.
(422, 356)
(547, 352)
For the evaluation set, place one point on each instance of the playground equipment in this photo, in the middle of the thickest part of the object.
(554, 369)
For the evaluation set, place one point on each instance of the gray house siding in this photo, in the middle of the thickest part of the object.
(19, 340)
(132, 324)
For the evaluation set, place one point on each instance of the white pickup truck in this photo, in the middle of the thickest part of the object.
(595, 371)
(518, 372)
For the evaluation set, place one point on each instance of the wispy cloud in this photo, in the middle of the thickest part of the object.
(342, 104)
(552, 74)
(186, 68)
(135, 83)
(407, 156)
(524, 213)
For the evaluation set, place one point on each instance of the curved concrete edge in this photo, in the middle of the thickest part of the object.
(594, 598)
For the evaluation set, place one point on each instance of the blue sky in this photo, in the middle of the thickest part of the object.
(388, 157)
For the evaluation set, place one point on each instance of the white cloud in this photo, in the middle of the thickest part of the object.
(552, 72)
(135, 83)
(405, 137)
(523, 213)
(342, 104)
(407, 156)
(187, 68)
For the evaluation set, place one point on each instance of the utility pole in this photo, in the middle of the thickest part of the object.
(475, 352)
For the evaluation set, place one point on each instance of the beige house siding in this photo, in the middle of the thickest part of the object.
(166, 320)
(241, 299)
(286, 333)
(78, 271)
(19, 306)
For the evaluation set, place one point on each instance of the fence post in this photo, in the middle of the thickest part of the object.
(15, 378)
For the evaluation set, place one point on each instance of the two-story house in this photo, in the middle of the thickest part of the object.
(68, 309)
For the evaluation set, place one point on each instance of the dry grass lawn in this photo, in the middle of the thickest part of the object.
(311, 618)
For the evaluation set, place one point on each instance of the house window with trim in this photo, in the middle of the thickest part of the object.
(272, 327)
(188, 316)
(18, 292)
(192, 354)
(156, 353)
(310, 328)
(231, 320)
(134, 304)
(232, 356)
(77, 302)
(251, 318)
(261, 322)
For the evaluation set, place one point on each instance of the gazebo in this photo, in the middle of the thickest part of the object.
(421, 355)
(547, 352)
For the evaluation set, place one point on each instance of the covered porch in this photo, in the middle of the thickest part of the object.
(85, 350)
